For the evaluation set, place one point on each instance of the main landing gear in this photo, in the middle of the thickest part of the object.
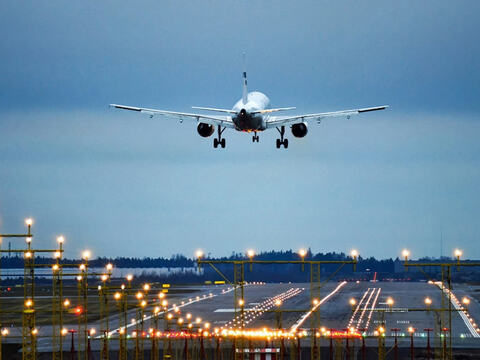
(219, 141)
(255, 138)
(282, 141)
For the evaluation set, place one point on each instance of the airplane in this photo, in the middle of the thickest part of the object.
(251, 114)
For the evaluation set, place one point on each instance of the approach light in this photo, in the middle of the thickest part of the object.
(57, 254)
(117, 295)
(55, 267)
(28, 240)
(458, 253)
(250, 253)
(146, 287)
(109, 267)
(29, 221)
(405, 254)
(302, 253)
(466, 301)
(60, 239)
(66, 303)
(129, 277)
(241, 302)
(353, 302)
(86, 254)
(278, 302)
(428, 301)
(199, 254)
(390, 302)
(354, 253)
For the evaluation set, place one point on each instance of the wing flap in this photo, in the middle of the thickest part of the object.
(289, 120)
(209, 119)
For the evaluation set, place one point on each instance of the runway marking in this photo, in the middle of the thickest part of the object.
(363, 306)
(467, 319)
(373, 307)
(357, 308)
(194, 300)
(307, 314)
(251, 314)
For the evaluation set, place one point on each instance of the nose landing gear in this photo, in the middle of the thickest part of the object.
(282, 141)
(255, 138)
(219, 141)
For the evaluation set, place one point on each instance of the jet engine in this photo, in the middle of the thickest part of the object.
(205, 130)
(299, 130)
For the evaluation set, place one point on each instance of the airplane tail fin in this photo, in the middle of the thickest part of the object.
(245, 89)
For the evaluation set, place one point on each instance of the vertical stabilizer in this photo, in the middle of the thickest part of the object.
(245, 89)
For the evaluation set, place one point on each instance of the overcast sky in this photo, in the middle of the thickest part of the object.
(123, 184)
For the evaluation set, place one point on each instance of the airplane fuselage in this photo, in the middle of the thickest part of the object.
(245, 118)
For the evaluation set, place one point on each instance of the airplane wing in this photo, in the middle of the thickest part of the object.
(275, 121)
(225, 121)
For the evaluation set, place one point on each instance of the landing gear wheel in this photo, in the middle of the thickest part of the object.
(282, 141)
(219, 140)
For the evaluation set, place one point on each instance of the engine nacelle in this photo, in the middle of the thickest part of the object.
(299, 130)
(205, 130)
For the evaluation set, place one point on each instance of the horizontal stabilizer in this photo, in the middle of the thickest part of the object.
(214, 109)
(266, 111)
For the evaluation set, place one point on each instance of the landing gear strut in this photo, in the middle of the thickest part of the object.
(282, 141)
(219, 140)
(255, 137)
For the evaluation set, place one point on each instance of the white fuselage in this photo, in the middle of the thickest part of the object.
(246, 119)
